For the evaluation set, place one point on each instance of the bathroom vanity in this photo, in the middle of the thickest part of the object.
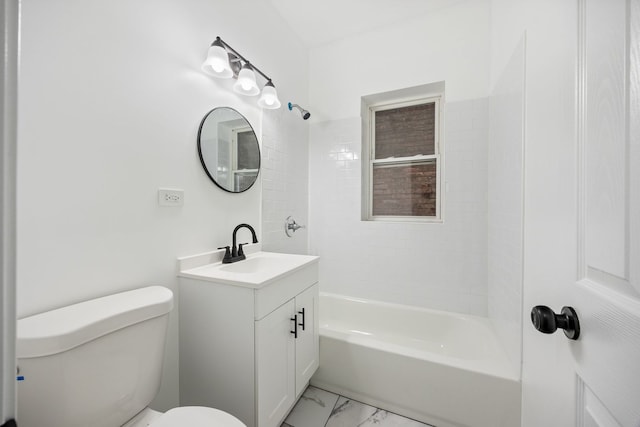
(249, 338)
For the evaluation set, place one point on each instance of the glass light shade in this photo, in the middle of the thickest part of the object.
(269, 98)
(246, 84)
(217, 62)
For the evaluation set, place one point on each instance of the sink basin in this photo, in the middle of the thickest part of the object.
(251, 265)
(256, 271)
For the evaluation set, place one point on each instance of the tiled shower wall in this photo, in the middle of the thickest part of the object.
(441, 266)
(505, 256)
(285, 176)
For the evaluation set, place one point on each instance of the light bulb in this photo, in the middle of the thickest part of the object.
(217, 66)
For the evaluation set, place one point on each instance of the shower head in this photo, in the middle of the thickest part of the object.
(305, 113)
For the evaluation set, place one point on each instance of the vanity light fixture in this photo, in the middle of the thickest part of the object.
(225, 62)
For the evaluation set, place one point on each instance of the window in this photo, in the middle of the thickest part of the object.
(402, 147)
(245, 161)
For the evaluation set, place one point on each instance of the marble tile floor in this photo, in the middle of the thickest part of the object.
(320, 408)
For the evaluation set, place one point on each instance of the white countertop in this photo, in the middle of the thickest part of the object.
(258, 270)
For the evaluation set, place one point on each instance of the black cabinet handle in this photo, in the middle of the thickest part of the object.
(295, 326)
(547, 322)
(302, 313)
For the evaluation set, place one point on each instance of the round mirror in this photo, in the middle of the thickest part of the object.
(228, 149)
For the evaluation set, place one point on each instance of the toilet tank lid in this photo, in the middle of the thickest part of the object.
(62, 329)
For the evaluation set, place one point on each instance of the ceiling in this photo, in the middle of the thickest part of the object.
(318, 22)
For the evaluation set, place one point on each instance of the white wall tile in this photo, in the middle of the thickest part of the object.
(440, 266)
(285, 177)
(505, 186)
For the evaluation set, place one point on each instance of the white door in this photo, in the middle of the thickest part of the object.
(582, 211)
(275, 365)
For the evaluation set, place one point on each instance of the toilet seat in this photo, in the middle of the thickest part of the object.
(196, 416)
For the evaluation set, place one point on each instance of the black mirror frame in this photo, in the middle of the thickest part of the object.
(204, 166)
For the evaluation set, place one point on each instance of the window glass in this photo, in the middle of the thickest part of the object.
(405, 189)
(405, 131)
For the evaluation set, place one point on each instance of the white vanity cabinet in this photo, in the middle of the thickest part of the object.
(248, 348)
(285, 362)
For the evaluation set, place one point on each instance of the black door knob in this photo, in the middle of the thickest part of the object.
(547, 322)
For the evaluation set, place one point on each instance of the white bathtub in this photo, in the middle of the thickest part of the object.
(440, 368)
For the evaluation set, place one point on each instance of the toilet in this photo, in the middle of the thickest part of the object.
(98, 363)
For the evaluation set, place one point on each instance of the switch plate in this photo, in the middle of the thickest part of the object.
(170, 197)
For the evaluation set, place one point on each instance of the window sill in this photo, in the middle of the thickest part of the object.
(404, 220)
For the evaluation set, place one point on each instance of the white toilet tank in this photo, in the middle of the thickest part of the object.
(93, 364)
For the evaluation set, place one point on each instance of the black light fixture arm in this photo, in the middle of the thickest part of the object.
(236, 53)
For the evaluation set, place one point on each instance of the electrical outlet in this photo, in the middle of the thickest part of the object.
(170, 197)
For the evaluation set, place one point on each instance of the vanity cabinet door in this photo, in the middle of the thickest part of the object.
(307, 344)
(275, 357)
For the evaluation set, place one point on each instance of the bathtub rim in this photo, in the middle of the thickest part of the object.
(404, 306)
(502, 368)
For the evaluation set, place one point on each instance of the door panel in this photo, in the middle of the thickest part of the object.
(307, 351)
(602, 62)
(593, 413)
(275, 358)
(607, 357)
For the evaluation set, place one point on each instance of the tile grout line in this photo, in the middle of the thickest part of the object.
(332, 409)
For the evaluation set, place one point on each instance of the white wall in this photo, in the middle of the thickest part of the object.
(432, 265)
(506, 172)
(449, 45)
(505, 204)
(111, 96)
(508, 21)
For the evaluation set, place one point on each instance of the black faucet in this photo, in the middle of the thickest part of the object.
(237, 253)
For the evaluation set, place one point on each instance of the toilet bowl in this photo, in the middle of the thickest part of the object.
(192, 416)
(98, 363)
